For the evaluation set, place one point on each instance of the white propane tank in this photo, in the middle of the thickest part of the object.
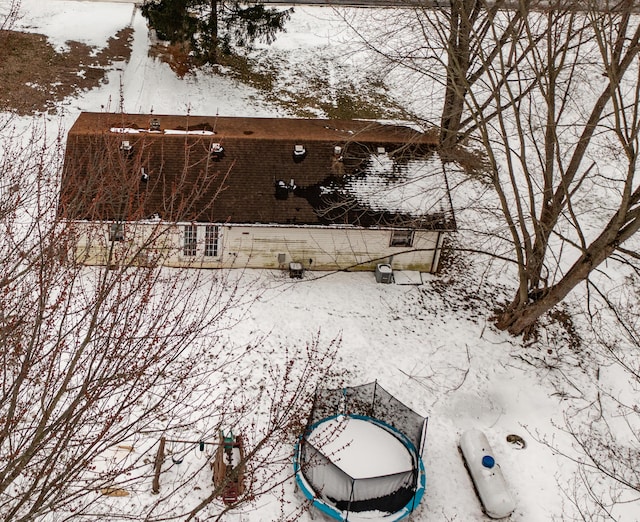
(486, 474)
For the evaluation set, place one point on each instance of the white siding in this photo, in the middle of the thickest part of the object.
(260, 247)
(326, 248)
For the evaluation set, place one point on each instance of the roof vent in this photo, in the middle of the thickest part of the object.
(382, 150)
(337, 150)
(282, 189)
(217, 151)
(144, 177)
(154, 125)
(126, 148)
(299, 153)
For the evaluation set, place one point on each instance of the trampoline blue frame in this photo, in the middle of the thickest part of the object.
(334, 512)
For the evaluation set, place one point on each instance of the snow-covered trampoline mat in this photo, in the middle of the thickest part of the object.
(361, 448)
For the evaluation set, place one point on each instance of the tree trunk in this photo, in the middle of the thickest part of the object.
(520, 317)
(212, 51)
(458, 63)
(451, 114)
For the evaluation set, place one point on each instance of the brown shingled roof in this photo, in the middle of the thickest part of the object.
(187, 182)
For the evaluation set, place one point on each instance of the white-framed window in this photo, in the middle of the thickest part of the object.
(116, 232)
(190, 244)
(402, 238)
(211, 236)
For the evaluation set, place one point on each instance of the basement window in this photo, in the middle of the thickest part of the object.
(401, 238)
(116, 232)
(190, 244)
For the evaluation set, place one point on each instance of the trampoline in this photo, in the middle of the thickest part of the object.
(360, 456)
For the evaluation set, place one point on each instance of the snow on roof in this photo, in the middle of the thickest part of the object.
(415, 187)
(256, 177)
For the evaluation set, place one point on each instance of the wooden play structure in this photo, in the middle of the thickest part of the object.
(228, 467)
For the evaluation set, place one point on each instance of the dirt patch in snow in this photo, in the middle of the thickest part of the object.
(303, 88)
(35, 76)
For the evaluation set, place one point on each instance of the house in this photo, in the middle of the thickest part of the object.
(220, 192)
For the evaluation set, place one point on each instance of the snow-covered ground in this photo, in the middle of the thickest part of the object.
(432, 344)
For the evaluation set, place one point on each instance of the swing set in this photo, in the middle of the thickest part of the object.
(228, 465)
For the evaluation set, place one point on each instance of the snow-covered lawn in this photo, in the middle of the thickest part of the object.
(432, 345)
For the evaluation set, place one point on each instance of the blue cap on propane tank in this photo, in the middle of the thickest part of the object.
(488, 461)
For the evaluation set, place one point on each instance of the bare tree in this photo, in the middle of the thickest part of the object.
(471, 23)
(564, 150)
(451, 46)
(548, 95)
(603, 421)
(9, 15)
(116, 356)
(546, 143)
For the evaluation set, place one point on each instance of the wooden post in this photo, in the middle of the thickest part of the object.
(155, 488)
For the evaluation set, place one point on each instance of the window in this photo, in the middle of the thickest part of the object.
(190, 240)
(401, 238)
(211, 241)
(116, 232)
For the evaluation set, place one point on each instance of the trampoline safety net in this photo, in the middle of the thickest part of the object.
(370, 400)
(388, 493)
